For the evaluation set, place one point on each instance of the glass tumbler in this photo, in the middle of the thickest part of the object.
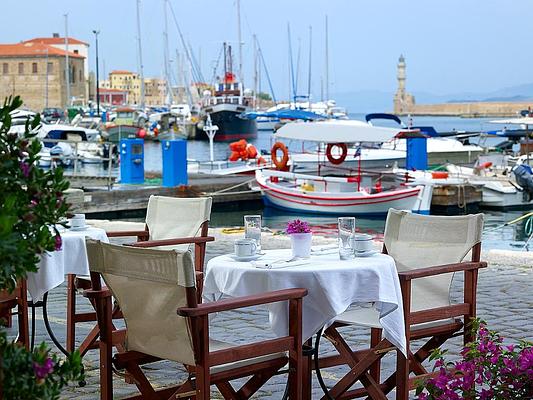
(252, 229)
(346, 234)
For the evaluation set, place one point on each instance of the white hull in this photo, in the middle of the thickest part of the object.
(337, 198)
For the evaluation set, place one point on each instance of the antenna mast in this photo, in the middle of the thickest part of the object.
(141, 67)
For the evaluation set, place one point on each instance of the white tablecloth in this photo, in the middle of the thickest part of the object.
(71, 259)
(333, 286)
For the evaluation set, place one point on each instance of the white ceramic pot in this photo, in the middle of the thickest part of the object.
(301, 244)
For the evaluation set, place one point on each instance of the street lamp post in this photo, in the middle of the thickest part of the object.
(97, 76)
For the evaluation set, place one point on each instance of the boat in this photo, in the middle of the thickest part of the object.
(127, 124)
(361, 194)
(225, 105)
(440, 150)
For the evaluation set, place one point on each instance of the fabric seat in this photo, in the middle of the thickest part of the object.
(156, 292)
(369, 317)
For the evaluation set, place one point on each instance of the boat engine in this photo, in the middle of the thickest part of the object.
(524, 177)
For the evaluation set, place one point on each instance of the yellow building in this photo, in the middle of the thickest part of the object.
(36, 72)
(126, 80)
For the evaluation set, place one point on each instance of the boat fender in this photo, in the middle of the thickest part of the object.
(377, 187)
(281, 164)
(234, 156)
(238, 146)
(341, 158)
(439, 175)
(141, 133)
(251, 151)
(261, 161)
(484, 165)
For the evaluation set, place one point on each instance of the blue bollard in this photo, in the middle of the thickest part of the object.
(174, 162)
(131, 161)
(417, 154)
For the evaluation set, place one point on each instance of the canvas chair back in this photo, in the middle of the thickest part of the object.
(420, 241)
(172, 217)
(149, 286)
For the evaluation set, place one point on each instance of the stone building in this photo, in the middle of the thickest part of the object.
(35, 71)
(155, 91)
(74, 45)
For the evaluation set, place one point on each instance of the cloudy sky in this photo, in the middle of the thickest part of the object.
(452, 46)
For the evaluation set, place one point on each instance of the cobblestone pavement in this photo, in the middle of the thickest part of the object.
(505, 301)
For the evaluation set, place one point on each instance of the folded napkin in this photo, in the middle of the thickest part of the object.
(280, 264)
(325, 249)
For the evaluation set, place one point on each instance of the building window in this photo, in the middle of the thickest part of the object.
(21, 68)
(50, 68)
(5, 68)
(33, 68)
(81, 78)
(76, 52)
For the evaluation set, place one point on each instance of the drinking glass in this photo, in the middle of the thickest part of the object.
(252, 229)
(346, 234)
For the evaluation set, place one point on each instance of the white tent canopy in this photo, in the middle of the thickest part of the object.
(336, 131)
(514, 121)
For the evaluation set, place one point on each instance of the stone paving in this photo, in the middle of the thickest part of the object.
(505, 301)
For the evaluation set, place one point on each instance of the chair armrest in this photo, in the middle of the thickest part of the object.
(242, 302)
(440, 269)
(171, 242)
(97, 294)
(144, 234)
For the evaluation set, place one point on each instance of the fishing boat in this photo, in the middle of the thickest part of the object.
(360, 194)
(225, 105)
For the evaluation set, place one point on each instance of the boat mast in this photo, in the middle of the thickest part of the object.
(309, 73)
(256, 62)
(67, 69)
(241, 77)
(166, 58)
(327, 61)
(141, 67)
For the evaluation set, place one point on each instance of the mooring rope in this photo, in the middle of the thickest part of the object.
(232, 187)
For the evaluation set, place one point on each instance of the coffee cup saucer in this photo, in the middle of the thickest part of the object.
(245, 258)
(365, 253)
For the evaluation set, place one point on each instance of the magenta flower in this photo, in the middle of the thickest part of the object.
(25, 167)
(297, 226)
(42, 370)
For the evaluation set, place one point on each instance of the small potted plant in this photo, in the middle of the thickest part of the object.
(301, 237)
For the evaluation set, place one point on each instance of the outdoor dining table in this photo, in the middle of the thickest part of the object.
(55, 266)
(333, 286)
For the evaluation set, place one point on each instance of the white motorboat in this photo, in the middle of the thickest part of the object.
(362, 194)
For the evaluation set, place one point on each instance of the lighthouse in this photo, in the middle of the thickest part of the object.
(403, 101)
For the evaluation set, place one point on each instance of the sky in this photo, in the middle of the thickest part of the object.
(452, 46)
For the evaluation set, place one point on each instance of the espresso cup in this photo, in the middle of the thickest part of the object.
(362, 243)
(245, 247)
(77, 221)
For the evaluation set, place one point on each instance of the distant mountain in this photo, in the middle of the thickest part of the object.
(365, 101)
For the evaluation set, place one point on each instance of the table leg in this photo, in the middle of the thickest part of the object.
(71, 310)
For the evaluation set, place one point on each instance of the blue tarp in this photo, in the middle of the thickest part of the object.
(284, 114)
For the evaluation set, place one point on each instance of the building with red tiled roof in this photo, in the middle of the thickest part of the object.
(35, 71)
(56, 40)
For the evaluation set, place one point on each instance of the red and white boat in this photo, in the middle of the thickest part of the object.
(347, 195)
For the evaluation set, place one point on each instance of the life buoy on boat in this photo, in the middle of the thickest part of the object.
(341, 158)
(280, 164)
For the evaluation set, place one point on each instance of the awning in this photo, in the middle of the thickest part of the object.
(338, 131)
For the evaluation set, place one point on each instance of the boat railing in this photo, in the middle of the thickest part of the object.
(76, 159)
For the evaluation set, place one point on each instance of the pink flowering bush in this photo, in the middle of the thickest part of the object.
(488, 370)
(297, 226)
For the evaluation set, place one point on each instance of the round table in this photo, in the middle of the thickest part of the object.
(333, 286)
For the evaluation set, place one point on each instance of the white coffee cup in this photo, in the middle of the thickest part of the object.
(362, 243)
(245, 248)
(77, 221)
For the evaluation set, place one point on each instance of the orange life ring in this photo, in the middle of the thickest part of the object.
(333, 160)
(280, 164)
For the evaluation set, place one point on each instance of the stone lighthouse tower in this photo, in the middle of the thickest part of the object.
(403, 102)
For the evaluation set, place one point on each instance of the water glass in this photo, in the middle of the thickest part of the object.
(346, 234)
(252, 229)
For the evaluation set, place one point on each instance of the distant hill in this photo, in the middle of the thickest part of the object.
(365, 101)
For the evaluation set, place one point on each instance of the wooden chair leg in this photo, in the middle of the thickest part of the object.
(22, 309)
(106, 349)
(71, 312)
(375, 369)
(402, 376)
